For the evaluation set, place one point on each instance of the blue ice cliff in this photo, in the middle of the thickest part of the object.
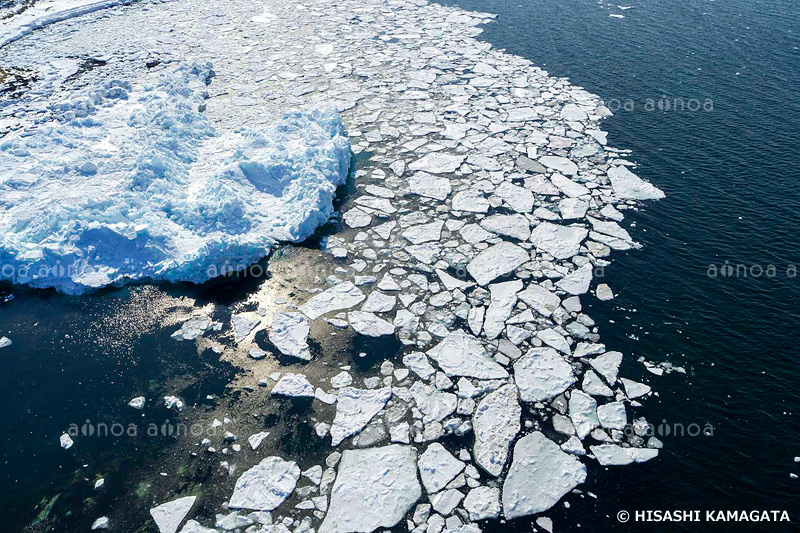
(123, 183)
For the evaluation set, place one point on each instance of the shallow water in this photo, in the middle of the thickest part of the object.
(731, 178)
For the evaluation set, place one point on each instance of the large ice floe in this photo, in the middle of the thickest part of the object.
(126, 182)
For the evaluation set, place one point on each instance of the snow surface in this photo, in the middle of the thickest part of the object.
(540, 475)
(168, 516)
(126, 182)
(45, 12)
(266, 485)
(374, 488)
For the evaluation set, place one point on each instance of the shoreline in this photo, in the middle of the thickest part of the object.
(493, 143)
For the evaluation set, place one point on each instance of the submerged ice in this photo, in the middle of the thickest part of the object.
(126, 182)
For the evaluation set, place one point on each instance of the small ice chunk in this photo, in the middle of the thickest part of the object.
(559, 164)
(559, 241)
(483, 503)
(65, 441)
(100, 523)
(266, 485)
(354, 409)
(438, 163)
(429, 186)
(496, 423)
(375, 488)
(461, 354)
(289, 333)
(628, 185)
(369, 324)
(540, 475)
(583, 413)
(500, 259)
(293, 386)
(577, 282)
(504, 297)
(256, 439)
(137, 403)
(438, 467)
(542, 374)
(342, 296)
(243, 325)
(168, 516)
(613, 455)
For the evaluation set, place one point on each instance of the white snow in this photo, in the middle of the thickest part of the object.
(540, 475)
(461, 354)
(504, 297)
(266, 485)
(500, 259)
(628, 185)
(542, 374)
(354, 409)
(496, 423)
(438, 467)
(293, 386)
(342, 296)
(613, 455)
(289, 334)
(369, 324)
(168, 516)
(171, 200)
(559, 241)
(375, 488)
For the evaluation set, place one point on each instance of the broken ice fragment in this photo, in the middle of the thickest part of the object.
(375, 488)
(266, 485)
(540, 475)
(168, 516)
(289, 333)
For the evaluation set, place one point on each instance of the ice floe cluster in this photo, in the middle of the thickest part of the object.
(487, 202)
(124, 182)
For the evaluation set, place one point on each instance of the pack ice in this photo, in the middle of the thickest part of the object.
(124, 183)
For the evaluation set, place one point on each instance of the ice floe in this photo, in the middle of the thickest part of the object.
(540, 475)
(375, 488)
(265, 486)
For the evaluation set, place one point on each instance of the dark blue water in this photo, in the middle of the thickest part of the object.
(732, 178)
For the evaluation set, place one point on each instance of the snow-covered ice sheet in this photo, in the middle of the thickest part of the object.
(45, 12)
(127, 182)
